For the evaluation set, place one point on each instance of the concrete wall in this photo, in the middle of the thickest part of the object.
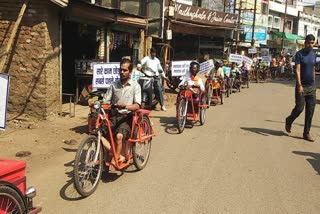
(33, 63)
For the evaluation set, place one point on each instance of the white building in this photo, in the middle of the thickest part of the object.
(309, 24)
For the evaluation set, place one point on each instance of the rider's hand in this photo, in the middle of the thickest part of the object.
(121, 105)
(300, 89)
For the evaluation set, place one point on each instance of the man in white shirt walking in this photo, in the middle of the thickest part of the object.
(152, 63)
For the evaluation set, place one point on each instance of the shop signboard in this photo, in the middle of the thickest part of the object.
(206, 66)
(188, 2)
(180, 68)
(4, 94)
(104, 74)
(260, 33)
(236, 58)
(204, 16)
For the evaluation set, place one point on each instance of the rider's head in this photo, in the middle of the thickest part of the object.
(153, 52)
(125, 69)
(218, 63)
(194, 68)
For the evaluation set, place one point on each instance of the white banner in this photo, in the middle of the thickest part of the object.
(266, 59)
(105, 74)
(247, 60)
(180, 68)
(252, 50)
(206, 66)
(236, 58)
(4, 95)
(264, 52)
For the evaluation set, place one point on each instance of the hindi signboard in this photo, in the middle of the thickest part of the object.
(4, 95)
(180, 68)
(252, 50)
(236, 58)
(105, 73)
(206, 66)
(247, 60)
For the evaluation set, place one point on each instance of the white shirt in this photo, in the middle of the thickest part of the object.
(153, 65)
(187, 78)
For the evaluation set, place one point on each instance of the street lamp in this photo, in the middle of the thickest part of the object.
(284, 24)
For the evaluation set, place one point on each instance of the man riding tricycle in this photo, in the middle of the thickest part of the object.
(191, 101)
(122, 134)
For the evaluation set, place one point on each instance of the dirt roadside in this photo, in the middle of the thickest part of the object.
(36, 140)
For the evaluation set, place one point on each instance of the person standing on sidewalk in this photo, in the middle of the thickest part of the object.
(152, 63)
(305, 91)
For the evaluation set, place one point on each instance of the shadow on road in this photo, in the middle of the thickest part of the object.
(68, 192)
(169, 124)
(314, 160)
(264, 132)
(299, 124)
(318, 101)
(80, 129)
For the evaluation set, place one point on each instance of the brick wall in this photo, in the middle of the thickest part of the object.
(33, 63)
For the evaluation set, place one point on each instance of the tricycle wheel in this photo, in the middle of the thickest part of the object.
(87, 172)
(11, 201)
(203, 111)
(182, 114)
(141, 150)
(209, 95)
(221, 97)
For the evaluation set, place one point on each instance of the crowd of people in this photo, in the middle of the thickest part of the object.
(126, 92)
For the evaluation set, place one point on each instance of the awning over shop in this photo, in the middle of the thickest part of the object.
(288, 36)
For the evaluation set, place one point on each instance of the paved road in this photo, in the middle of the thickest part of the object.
(240, 161)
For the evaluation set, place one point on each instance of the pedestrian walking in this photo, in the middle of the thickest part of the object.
(305, 90)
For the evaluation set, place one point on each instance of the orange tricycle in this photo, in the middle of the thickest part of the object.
(191, 105)
(216, 90)
(92, 155)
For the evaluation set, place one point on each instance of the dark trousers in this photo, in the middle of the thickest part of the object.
(158, 90)
(308, 99)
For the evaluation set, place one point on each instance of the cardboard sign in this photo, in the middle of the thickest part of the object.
(105, 74)
(247, 60)
(264, 51)
(236, 58)
(266, 59)
(180, 68)
(206, 66)
(4, 95)
(252, 50)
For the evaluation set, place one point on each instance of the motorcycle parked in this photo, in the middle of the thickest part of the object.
(148, 99)
(174, 81)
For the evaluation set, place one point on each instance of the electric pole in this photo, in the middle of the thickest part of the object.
(284, 24)
(254, 22)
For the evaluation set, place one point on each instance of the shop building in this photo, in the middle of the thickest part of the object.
(56, 43)
(197, 31)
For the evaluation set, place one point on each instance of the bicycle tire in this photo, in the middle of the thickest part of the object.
(203, 111)
(79, 176)
(209, 95)
(11, 201)
(141, 150)
(181, 118)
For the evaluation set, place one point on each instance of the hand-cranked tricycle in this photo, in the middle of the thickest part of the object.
(191, 105)
(92, 155)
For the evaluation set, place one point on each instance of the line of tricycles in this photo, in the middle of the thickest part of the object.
(191, 106)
